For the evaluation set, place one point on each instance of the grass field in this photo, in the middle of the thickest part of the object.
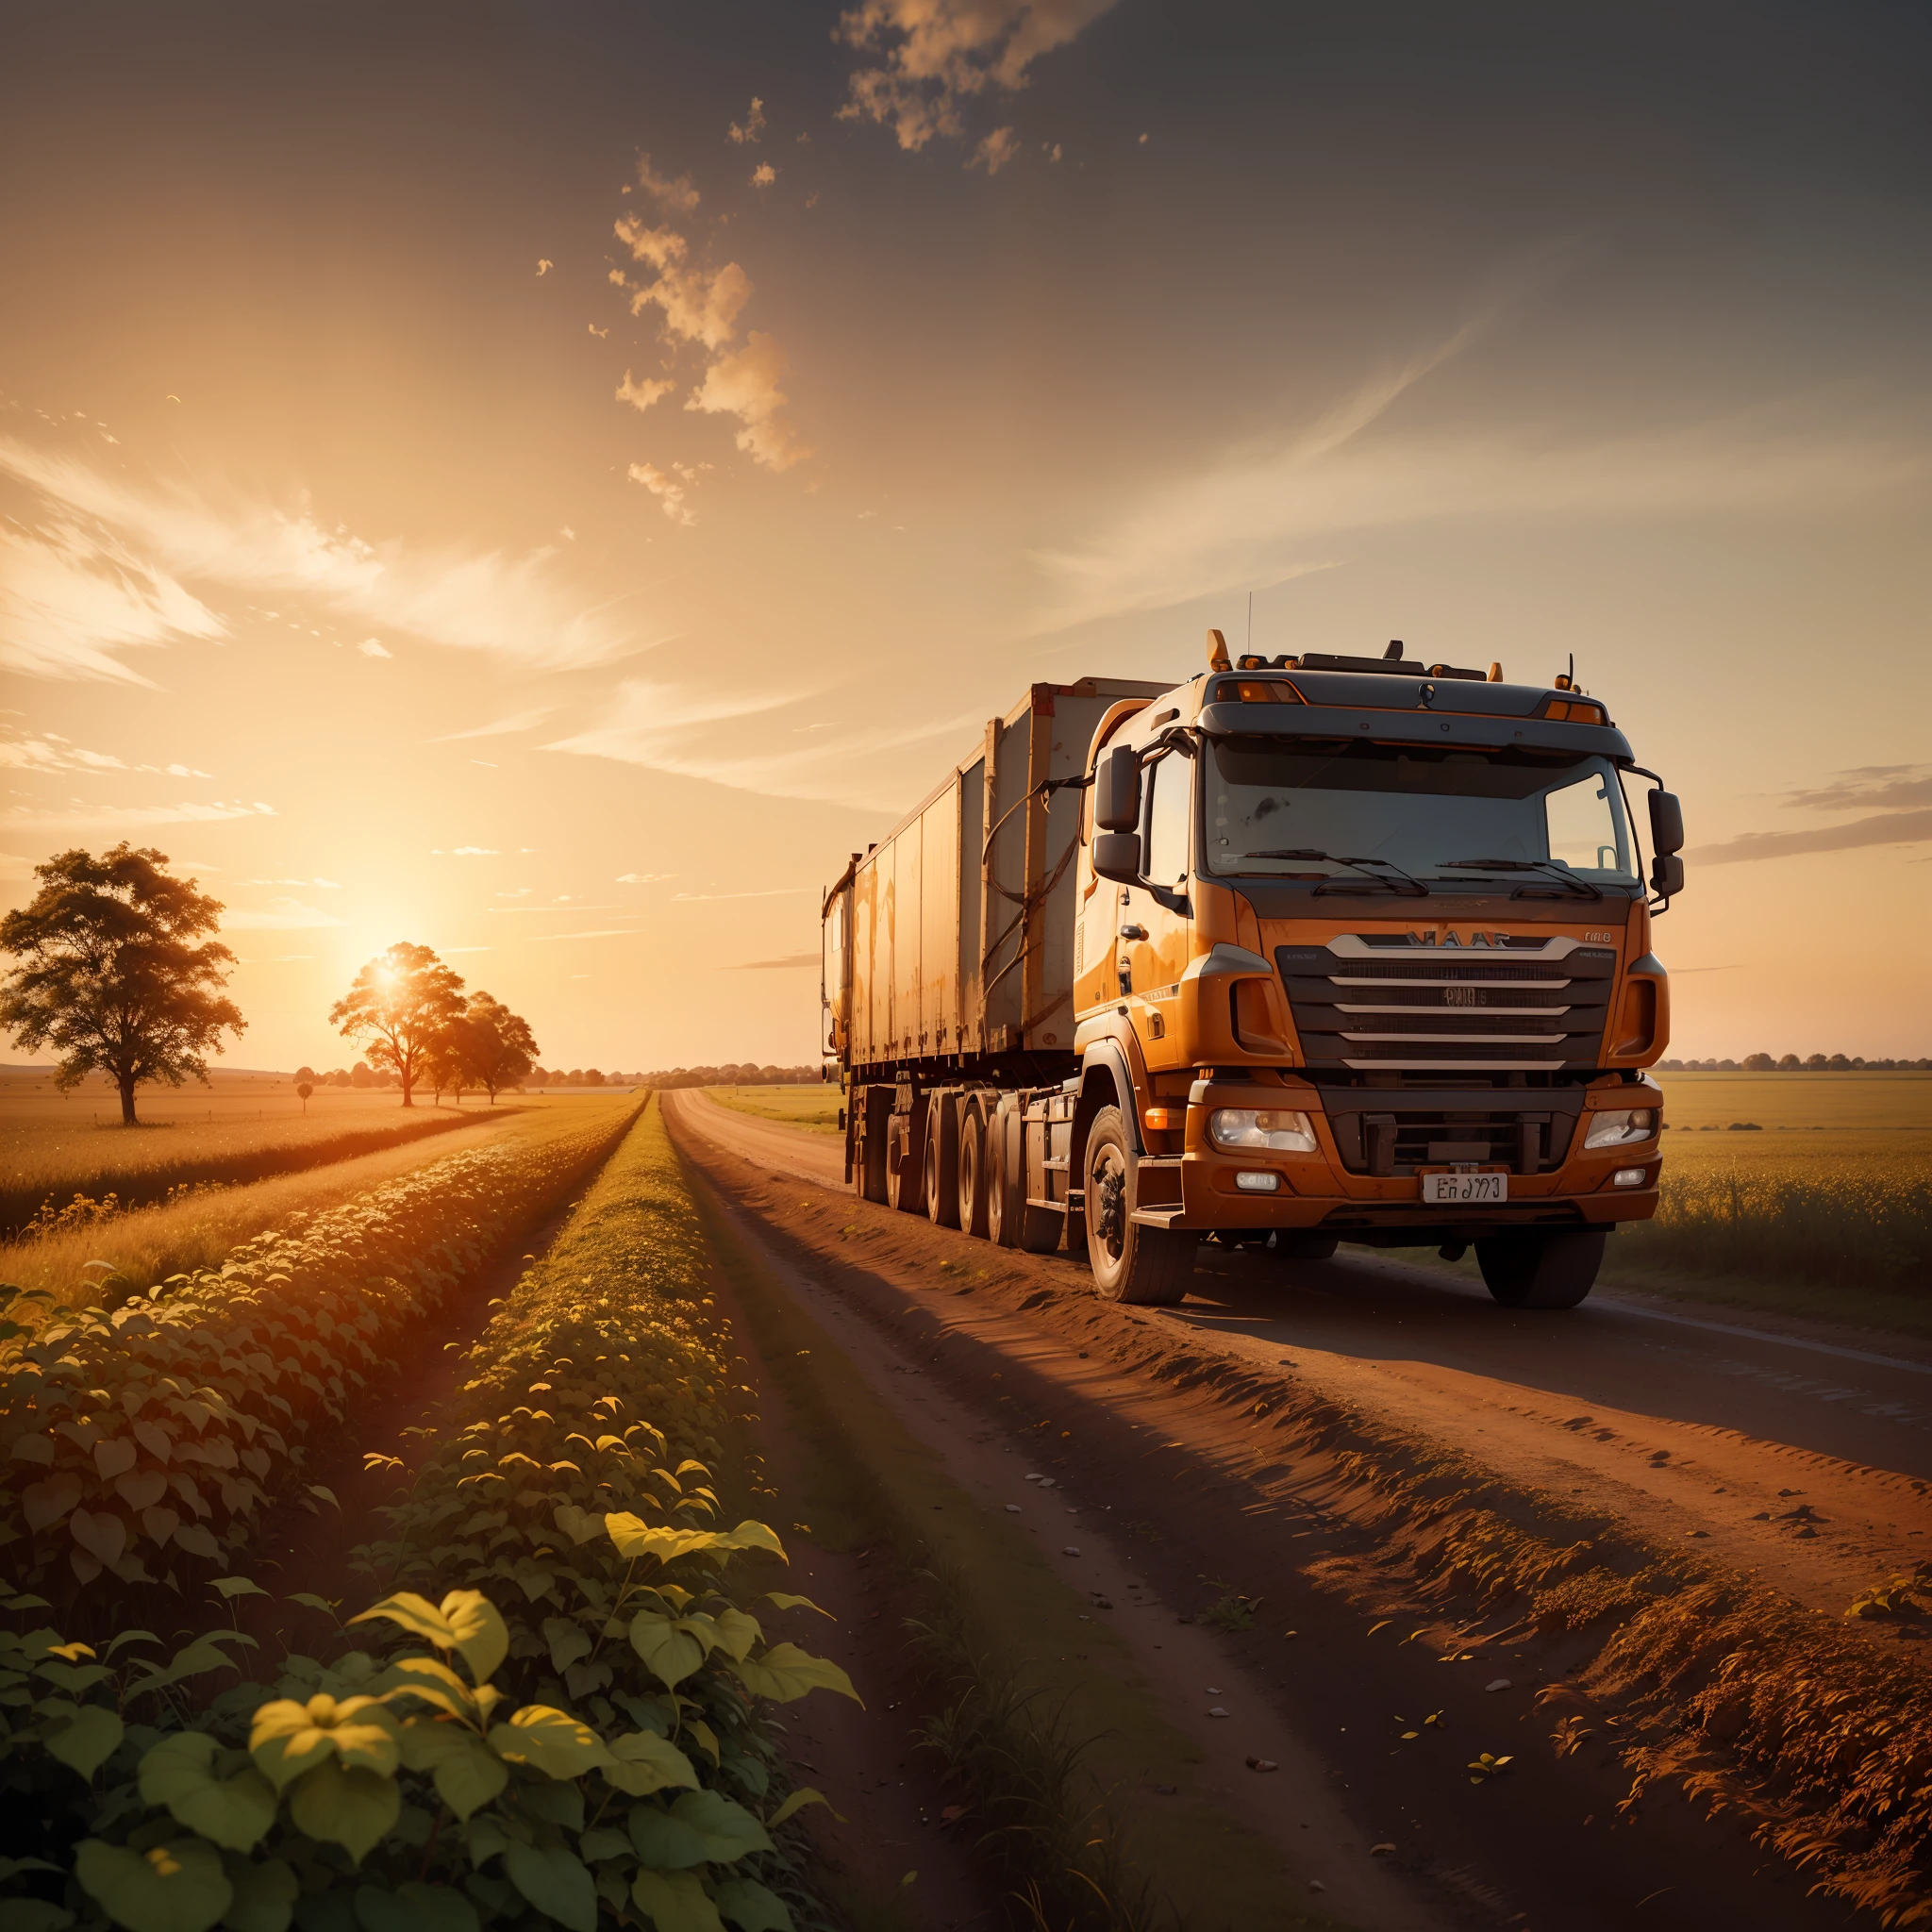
(53, 1148)
(815, 1108)
(1799, 1103)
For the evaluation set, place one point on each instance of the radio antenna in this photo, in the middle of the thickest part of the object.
(1251, 621)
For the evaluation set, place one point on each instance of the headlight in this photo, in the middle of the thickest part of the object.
(1243, 1126)
(1618, 1126)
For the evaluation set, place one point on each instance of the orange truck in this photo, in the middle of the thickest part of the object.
(1302, 951)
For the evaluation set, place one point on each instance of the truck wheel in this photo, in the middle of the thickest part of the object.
(1540, 1271)
(1006, 1180)
(906, 1165)
(942, 1162)
(1148, 1266)
(972, 1204)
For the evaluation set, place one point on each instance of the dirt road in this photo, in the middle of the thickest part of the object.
(1796, 1458)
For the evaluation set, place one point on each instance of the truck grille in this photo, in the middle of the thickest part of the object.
(1384, 1001)
(1403, 1140)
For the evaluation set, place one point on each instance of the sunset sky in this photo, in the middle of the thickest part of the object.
(548, 482)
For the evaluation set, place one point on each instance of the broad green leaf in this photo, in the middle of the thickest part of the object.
(662, 1842)
(727, 1829)
(634, 1537)
(704, 1737)
(178, 1886)
(784, 1601)
(581, 1526)
(350, 1808)
(33, 1915)
(557, 1882)
(736, 1632)
(434, 1683)
(796, 1803)
(602, 1842)
(310, 1601)
(416, 1614)
(785, 1673)
(556, 1744)
(670, 1649)
(757, 1536)
(468, 1774)
(233, 1811)
(238, 1586)
(477, 1631)
(751, 1907)
(264, 1897)
(647, 1763)
(87, 1739)
(568, 1641)
(675, 1902)
(414, 1907)
(289, 1739)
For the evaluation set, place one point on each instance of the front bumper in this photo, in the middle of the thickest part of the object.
(1575, 1188)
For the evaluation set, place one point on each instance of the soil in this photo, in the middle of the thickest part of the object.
(1169, 1504)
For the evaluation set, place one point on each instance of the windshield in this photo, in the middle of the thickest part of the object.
(1273, 806)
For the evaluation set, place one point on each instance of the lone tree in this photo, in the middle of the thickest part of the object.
(492, 1046)
(111, 975)
(401, 1001)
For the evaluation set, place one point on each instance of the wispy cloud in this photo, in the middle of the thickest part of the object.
(745, 385)
(751, 127)
(283, 915)
(640, 395)
(104, 570)
(937, 55)
(1903, 792)
(1261, 518)
(670, 491)
(498, 727)
(133, 817)
(789, 960)
(47, 754)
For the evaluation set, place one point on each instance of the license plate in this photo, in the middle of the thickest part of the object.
(1465, 1189)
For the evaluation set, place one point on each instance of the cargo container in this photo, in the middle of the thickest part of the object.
(1303, 950)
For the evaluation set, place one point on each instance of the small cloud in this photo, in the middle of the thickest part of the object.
(464, 852)
(775, 892)
(699, 305)
(565, 532)
(745, 385)
(501, 727)
(673, 193)
(644, 879)
(763, 174)
(599, 333)
(521, 892)
(754, 125)
(667, 490)
(789, 960)
(812, 200)
(995, 151)
(543, 265)
(640, 395)
(372, 647)
(1144, 141)
(486, 764)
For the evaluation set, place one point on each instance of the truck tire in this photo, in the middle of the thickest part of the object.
(1147, 1266)
(942, 1162)
(906, 1164)
(1005, 1179)
(971, 1189)
(1541, 1270)
(868, 1167)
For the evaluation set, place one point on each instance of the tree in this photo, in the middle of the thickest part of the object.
(1760, 1063)
(304, 1090)
(112, 976)
(399, 1003)
(492, 1046)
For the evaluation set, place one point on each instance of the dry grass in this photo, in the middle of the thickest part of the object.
(1855, 1101)
(815, 1108)
(53, 1148)
(149, 1244)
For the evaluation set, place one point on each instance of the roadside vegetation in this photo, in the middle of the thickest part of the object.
(558, 1704)
(815, 1106)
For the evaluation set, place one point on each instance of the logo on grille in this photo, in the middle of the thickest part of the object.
(1449, 939)
(1463, 995)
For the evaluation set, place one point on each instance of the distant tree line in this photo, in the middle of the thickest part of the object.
(729, 1076)
(1792, 1063)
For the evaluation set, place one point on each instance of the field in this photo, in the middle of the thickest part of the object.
(243, 1128)
(815, 1108)
(1800, 1103)
(578, 1484)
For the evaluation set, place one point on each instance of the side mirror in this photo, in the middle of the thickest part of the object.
(1117, 793)
(1667, 873)
(1666, 823)
(1117, 856)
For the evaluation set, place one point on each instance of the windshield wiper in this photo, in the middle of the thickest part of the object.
(1548, 868)
(1408, 886)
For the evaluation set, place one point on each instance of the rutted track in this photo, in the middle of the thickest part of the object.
(1657, 1424)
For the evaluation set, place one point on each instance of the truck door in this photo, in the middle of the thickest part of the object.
(1155, 915)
